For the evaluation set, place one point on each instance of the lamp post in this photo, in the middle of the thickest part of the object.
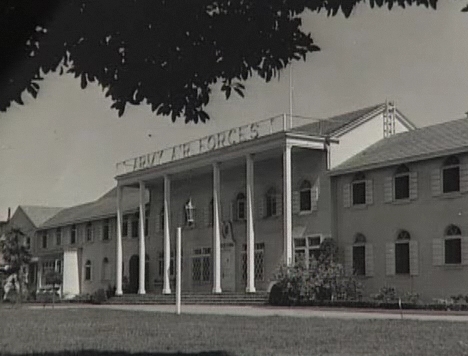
(189, 209)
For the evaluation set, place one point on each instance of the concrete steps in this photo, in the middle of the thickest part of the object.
(259, 298)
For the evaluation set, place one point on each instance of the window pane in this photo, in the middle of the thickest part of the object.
(300, 242)
(451, 179)
(453, 251)
(402, 187)
(402, 262)
(314, 241)
(359, 193)
(359, 260)
(305, 200)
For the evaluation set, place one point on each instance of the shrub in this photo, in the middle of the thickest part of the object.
(323, 279)
(99, 296)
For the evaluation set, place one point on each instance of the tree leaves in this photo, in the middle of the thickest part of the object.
(168, 54)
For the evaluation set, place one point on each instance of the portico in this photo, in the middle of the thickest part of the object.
(219, 156)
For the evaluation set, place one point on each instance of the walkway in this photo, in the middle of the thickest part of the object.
(355, 314)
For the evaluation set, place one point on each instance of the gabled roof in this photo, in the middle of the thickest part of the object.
(105, 206)
(423, 143)
(39, 214)
(334, 125)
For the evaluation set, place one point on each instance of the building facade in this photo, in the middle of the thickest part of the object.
(400, 211)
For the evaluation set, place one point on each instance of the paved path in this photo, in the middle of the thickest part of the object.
(278, 311)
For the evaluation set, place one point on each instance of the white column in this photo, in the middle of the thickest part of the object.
(167, 236)
(178, 269)
(141, 279)
(118, 241)
(287, 205)
(216, 230)
(250, 227)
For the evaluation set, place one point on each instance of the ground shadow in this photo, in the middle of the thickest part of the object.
(120, 353)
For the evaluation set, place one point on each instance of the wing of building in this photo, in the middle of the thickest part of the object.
(247, 199)
(401, 208)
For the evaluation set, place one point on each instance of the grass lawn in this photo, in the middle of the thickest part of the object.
(98, 332)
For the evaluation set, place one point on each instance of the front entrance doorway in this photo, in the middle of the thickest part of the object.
(134, 272)
(228, 259)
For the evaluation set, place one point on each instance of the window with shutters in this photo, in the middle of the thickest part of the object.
(125, 226)
(58, 236)
(73, 235)
(134, 225)
(358, 188)
(106, 230)
(359, 255)
(402, 183)
(240, 207)
(453, 245)
(451, 175)
(307, 249)
(305, 196)
(402, 253)
(271, 203)
(44, 240)
(87, 270)
(89, 232)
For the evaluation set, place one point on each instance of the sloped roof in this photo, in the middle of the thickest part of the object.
(105, 206)
(39, 214)
(423, 143)
(330, 126)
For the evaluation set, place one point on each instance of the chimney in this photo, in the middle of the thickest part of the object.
(9, 214)
(466, 114)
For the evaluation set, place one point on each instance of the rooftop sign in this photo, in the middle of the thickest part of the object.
(206, 144)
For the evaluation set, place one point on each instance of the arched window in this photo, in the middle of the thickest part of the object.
(240, 207)
(359, 255)
(402, 182)
(452, 244)
(359, 189)
(105, 269)
(402, 252)
(88, 270)
(270, 199)
(305, 191)
(451, 175)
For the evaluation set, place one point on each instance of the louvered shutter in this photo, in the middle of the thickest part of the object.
(414, 258)
(279, 205)
(296, 202)
(157, 222)
(348, 260)
(347, 195)
(97, 231)
(437, 252)
(261, 208)
(464, 178)
(388, 189)
(413, 185)
(314, 197)
(435, 182)
(369, 192)
(464, 250)
(390, 259)
(206, 216)
(369, 260)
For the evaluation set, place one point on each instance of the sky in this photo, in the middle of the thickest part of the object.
(61, 148)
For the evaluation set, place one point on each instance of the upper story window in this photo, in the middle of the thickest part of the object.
(73, 235)
(161, 219)
(125, 226)
(135, 219)
(58, 236)
(147, 213)
(89, 232)
(402, 182)
(106, 230)
(453, 245)
(240, 207)
(271, 202)
(451, 175)
(44, 239)
(359, 189)
(305, 196)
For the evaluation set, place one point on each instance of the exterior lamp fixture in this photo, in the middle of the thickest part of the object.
(189, 210)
